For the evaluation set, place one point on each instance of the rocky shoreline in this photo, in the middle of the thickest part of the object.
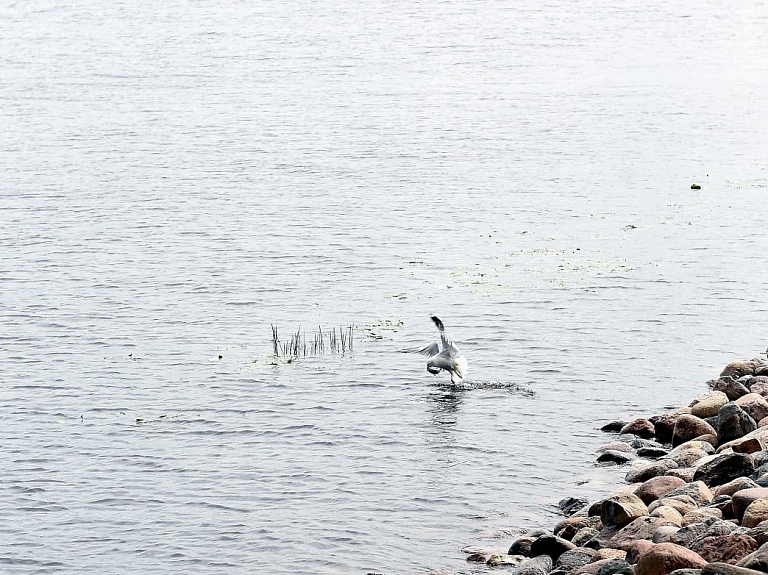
(696, 499)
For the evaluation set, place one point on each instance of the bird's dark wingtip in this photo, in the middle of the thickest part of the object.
(438, 323)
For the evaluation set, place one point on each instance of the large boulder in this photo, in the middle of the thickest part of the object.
(664, 558)
(688, 427)
(725, 548)
(709, 405)
(521, 546)
(724, 468)
(622, 509)
(656, 487)
(733, 423)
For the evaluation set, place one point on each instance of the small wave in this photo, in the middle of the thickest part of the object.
(468, 385)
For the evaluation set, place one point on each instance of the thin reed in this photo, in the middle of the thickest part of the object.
(298, 345)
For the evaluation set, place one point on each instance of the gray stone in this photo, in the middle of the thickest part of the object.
(583, 535)
(619, 457)
(616, 567)
(726, 569)
(571, 505)
(575, 558)
(622, 509)
(539, 565)
(733, 423)
(724, 468)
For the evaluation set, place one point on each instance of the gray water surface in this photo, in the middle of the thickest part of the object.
(177, 176)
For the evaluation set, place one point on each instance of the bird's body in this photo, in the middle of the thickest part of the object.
(444, 356)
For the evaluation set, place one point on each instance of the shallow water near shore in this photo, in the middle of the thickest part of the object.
(177, 177)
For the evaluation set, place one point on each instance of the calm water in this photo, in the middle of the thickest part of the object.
(176, 176)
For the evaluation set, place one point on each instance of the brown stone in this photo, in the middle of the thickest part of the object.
(756, 513)
(763, 422)
(608, 553)
(636, 549)
(751, 445)
(665, 424)
(640, 427)
(754, 404)
(664, 558)
(709, 438)
(761, 388)
(657, 487)
(725, 548)
(591, 568)
(737, 369)
(688, 427)
(743, 498)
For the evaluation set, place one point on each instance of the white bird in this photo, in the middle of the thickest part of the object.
(446, 357)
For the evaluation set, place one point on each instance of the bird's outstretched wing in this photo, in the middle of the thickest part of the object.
(449, 349)
(428, 350)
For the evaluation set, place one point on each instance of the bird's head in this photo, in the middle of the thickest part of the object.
(431, 368)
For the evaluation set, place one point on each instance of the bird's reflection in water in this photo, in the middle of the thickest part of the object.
(444, 403)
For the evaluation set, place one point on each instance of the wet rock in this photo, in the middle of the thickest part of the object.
(567, 528)
(680, 503)
(738, 369)
(757, 560)
(551, 545)
(640, 427)
(734, 423)
(688, 427)
(709, 405)
(622, 509)
(699, 515)
(724, 468)
(615, 446)
(539, 565)
(613, 426)
(756, 513)
(652, 452)
(744, 498)
(754, 404)
(521, 546)
(665, 424)
(640, 528)
(725, 548)
(697, 490)
(646, 471)
(669, 513)
(575, 558)
(664, 558)
(717, 568)
(476, 558)
(656, 487)
(618, 457)
(732, 388)
(616, 567)
(506, 560)
(664, 534)
(584, 535)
